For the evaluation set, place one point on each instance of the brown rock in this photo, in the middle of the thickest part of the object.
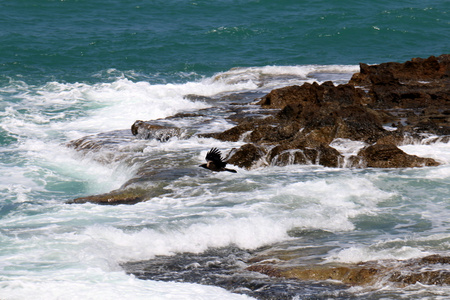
(313, 115)
(329, 157)
(415, 271)
(246, 156)
(427, 270)
(393, 73)
(353, 275)
(313, 94)
(390, 156)
(414, 84)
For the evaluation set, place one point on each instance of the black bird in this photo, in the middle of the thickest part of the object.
(214, 161)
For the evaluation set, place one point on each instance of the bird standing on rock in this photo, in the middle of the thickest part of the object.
(214, 161)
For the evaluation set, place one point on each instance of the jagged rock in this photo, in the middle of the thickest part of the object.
(389, 156)
(414, 97)
(305, 127)
(418, 69)
(328, 156)
(235, 133)
(297, 124)
(414, 84)
(314, 93)
(223, 267)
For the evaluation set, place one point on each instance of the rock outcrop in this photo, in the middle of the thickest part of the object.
(389, 156)
(411, 99)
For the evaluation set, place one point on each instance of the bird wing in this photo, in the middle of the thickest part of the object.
(215, 156)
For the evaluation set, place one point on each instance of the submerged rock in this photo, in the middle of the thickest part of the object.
(147, 130)
(148, 183)
(278, 275)
(225, 267)
(121, 196)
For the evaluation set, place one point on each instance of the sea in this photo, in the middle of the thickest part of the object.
(75, 68)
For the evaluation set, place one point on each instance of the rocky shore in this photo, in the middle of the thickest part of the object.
(381, 108)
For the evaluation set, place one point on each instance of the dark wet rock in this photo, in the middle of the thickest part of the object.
(421, 86)
(148, 130)
(225, 267)
(268, 274)
(304, 128)
(389, 156)
(278, 156)
(323, 155)
(328, 156)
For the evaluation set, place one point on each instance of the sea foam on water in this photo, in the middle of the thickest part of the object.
(53, 250)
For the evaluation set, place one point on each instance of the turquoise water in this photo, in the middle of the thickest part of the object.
(75, 40)
(73, 68)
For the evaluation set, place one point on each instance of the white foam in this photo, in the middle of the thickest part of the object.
(247, 233)
(269, 77)
(93, 283)
(56, 163)
(67, 107)
(438, 151)
(117, 105)
(361, 254)
(301, 71)
(331, 204)
(347, 147)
